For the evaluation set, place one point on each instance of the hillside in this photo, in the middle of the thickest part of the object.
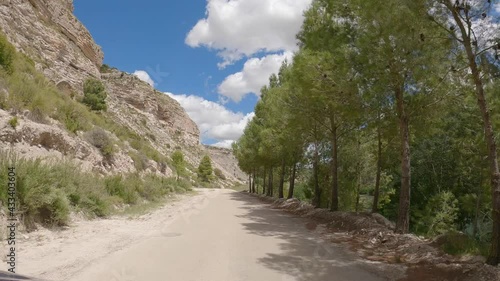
(70, 157)
(147, 126)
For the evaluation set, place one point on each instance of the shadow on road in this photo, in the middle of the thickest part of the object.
(304, 256)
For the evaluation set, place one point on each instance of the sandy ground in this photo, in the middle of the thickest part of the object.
(216, 235)
(62, 254)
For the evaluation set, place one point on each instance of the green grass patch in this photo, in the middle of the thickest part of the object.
(13, 122)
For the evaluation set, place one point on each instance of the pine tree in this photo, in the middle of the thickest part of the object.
(179, 163)
(205, 170)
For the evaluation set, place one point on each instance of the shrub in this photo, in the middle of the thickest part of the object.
(100, 139)
(3, 96)
(73, 117)
(455, 243)
(94, 95)
(37, 115)
(153, 188)
(440, 214)
(39, 195)
(219, 174)
(96, 205)
(107, 69)
(141, 162)
(13, 122)
(123, 188)
(7, 53)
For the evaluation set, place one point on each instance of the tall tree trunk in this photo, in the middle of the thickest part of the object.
(292, 181)
(317, 190)
(376, 194)
(282, 181)
(270, 183)
(475, 230)
(494, 257)
(358, 185)
(403, 222)
(253, 182)
(334, 200)
(250, 183)
(264, 180)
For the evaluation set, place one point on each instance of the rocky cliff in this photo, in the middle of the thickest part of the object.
(65, 52)
(48, 32)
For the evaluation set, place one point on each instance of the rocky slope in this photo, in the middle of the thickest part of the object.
(64, 50)
(48, 32)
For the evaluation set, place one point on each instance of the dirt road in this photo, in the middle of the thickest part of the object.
(216, 235)
(233, 237)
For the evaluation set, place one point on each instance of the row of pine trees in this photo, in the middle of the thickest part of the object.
(396, 102)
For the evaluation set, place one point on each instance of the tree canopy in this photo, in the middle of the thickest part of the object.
(387, 108)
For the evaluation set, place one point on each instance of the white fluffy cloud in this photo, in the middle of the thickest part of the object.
(254, 75)
(224, 144)
(144, 76)
(238, 28)
(214, 120)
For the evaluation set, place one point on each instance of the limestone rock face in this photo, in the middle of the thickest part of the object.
(49, 33)
(147, 111)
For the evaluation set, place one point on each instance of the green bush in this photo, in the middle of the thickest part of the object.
(153, 189)
(219, 174)
(7, 53)
(96, 205)
(140, 161)
(107, 69)
(123, 188)
(100, 139)
(440, 215)
(13, 122)
(457, 244)
(94, 95)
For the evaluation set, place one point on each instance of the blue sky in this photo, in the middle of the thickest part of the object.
(212, 56)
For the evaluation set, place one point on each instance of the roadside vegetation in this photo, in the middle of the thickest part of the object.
(47, 192)
(392, 109)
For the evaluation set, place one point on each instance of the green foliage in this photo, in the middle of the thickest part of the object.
(458, 244)
(205, 170)
(94, 94)
(440, 215)
(218, 173)
(179, 163)
(140, 161)
(13, 122)
(100, 139)
(123, 188)
(366, 74)
(107, 69)
(7, 54)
